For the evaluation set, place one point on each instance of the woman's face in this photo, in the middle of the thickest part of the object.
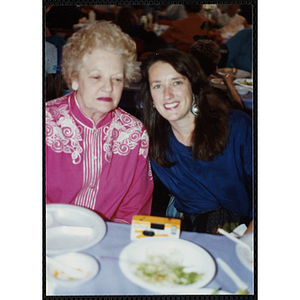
(171, 93)
(100, 83)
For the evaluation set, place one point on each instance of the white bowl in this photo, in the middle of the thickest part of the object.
(244, 82)
(241, 90)
(217, 81)
(78, 261)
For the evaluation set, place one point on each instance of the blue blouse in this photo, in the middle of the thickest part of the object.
(200, 186)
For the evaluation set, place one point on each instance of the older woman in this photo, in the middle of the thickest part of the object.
(200, 150)
(96, 153)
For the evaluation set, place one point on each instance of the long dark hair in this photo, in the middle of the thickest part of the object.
(211, 125)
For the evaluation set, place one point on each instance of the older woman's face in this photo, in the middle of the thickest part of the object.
(100, 83)
(171, 92)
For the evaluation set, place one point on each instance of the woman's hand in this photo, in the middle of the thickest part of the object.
(228, 79)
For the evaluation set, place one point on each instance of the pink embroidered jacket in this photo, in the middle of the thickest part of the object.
(103, 167)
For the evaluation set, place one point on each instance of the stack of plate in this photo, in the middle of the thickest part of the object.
(69, 229)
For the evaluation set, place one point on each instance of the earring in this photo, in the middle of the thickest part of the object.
(153, 105)
(74, 86)
(194, 108)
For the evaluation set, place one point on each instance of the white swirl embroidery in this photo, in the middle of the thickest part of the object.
(123, 135)
(62, 134)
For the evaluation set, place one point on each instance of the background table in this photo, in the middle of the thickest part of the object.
(111, 281)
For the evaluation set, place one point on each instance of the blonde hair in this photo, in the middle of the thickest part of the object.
(99, 34)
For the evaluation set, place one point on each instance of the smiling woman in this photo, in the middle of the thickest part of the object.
(172, 96)
(199, 148)
(96, 153)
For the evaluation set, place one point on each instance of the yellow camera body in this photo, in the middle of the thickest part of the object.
(151, 226)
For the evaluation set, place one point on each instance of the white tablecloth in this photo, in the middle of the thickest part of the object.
(111, 281)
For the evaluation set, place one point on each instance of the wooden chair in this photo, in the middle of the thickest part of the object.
(185, 47)
(63, 33)
(109, 16)
(164, 22)
(140, 46)
(144, 55)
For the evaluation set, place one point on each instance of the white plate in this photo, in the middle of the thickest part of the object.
(195, 258)
(243, 253)
(85, 263)
(72, 228)
(238, 74)
(241, 81)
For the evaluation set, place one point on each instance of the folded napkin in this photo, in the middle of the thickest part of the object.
(239, 231)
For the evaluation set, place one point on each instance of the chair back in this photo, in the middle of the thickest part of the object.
(109, 16)
(62, 33)
(140, 46)
(145, 54)
(185, 47)
(164, 22)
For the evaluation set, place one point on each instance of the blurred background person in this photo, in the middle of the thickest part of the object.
(106, 8)
(176, 12)
(237, 52)
(55, 86)
(128, 19)
(184, 30)
(53, 83)
(246, 12)
(96, 153)
(213, 14)
(232, 22)
(208, 54)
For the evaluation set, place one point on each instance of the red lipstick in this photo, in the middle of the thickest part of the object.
(106, 99)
